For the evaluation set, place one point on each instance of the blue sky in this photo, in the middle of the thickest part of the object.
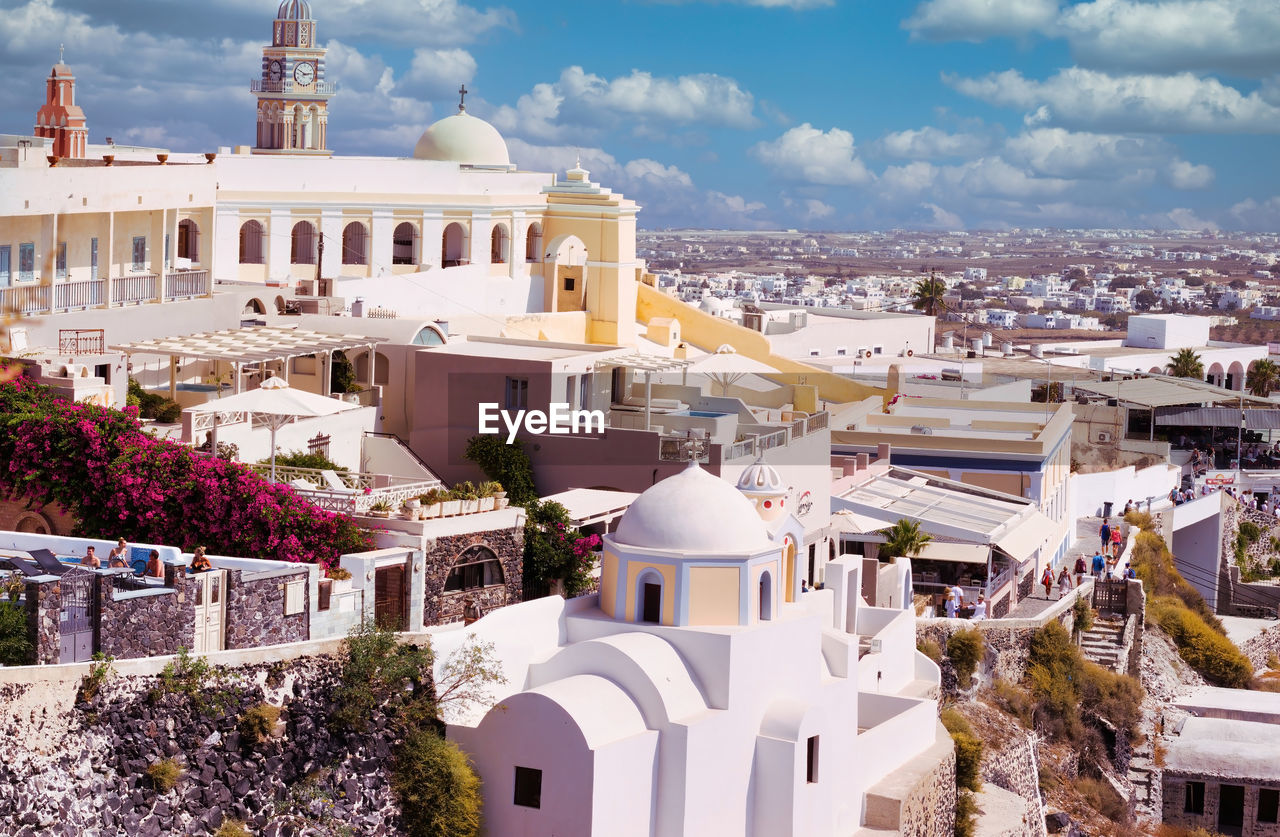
(816, 114)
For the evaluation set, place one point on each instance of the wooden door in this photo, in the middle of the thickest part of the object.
(211, 611)
(389, 598)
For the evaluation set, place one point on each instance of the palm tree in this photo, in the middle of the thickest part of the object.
(1186, 364)
(928, 296)
(904, 538)
(1263, 377)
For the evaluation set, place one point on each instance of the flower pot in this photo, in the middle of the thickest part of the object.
(340, 585)
(450, 507)
(487, 503)
(500, 502)
(470, 506)
(430, 511)
(380, 513)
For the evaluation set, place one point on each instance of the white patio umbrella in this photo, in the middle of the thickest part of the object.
(275, 404)
(725, 367)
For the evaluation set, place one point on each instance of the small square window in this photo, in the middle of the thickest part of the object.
(1268, 804)
(1193, 802)
(528, 787)
(293, 591)
(568, 283)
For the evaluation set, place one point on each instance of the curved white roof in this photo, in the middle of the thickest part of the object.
(603, 712)
(693, 511)
(761, 478)
(463, 138)
(294, 10)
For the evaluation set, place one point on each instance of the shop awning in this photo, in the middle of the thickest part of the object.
(1023, 539)
(960, 553)
(1254, 419)
(1164, 391)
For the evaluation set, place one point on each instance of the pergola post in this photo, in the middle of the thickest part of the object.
(235, 371)
(373, 362)
(648, 396)
(173, 377)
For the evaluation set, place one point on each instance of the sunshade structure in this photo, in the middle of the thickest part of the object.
(725, 367)
(275, 404)
(647, 364)
(593, 505)
(1165, 391)
(252, 347)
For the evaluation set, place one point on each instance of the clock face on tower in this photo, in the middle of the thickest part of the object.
(304, 73)
(275, 71)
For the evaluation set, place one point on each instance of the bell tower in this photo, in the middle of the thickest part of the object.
(61, 119)
(293, 95)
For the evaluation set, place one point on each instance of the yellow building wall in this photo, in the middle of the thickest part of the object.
(1008, 483)
(668, 573)
(714, 595)
(708, 332)
(608, 582)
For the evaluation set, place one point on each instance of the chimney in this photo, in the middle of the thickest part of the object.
(848, 466)
(882, 452)
(864, 461)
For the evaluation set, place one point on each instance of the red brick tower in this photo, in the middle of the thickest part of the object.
(60, 118)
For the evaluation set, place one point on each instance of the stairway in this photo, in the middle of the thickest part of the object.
(1101, 643)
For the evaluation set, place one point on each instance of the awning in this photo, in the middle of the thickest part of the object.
(1022, 540)
(854, 523)
(593, 505)
(643, 363)
(1165, 391)
(1254, 419)
(257, 344)
(960, 553)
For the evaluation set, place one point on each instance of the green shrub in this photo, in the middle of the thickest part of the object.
(438, 791)
(930, 649)
(15, 643)
(1053, 672)
(966, 814)
(1140, 519)
(1117, 698)
(99, 671)
(303, 459)
(966, 649)
(232, 828)
(1016, 701)
(1250, 531)
(1102, 798)
(507, 464)
(1153, 562)
(1082, 613)
(258, 723)
(1215, 657)
(164, 774)
(152, 405)
(378, 670)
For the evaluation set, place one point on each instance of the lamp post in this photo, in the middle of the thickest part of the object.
(1048, 384)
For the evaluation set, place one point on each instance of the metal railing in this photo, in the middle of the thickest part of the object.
(137, 288)
(360, 493)
(88, 293)
(320, 88)
(26, 299)
(81, 341)
(186, 284)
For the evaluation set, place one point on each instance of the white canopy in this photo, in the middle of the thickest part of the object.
(276, 398)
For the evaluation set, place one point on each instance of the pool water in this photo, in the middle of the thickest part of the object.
(702, 413)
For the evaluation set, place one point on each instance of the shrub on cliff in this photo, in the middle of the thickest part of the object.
(966, 649)
(97, 464)
(15, 644)
(438, 791)
(1154, 564)
(1063, 683)
(1210, 653)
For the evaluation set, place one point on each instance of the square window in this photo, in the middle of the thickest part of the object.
(1268, 804)
(568, 283)
(517, 393)
(528, 787)
(1193, 802)
(811, 766)
(293, 591)
(139, 253)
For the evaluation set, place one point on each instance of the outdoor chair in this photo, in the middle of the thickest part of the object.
(334, 483)
(48, 561)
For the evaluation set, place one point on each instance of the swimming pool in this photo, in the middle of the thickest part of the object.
(701, 413)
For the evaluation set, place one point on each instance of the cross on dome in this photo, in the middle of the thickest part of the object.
(462, 102)
(61, 47)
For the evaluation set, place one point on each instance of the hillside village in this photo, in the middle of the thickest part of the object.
(426, 495)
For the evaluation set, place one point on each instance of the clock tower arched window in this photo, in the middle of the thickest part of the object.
(293, 93)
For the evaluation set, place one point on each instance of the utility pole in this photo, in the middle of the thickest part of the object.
(319, 262)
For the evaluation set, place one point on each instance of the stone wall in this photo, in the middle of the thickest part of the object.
(44, 608)
(255, 610)
(71, 767)
(929, 809)
(1013, 767)
(1008, 645)
(438, 559)
(1174, 791)
(1260, 648)
(146, 623)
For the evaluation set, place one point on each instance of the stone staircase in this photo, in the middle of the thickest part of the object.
(1143, 775)
(1101, 643)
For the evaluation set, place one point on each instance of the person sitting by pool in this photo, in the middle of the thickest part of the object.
(120, 551)
(90, 560)
(155, 569)
(116, 562)
(199, 562)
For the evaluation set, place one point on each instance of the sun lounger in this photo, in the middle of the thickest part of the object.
(22, 565)
(334, 483)
(48, 561)
(303, 485)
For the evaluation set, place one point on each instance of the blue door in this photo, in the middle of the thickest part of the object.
(4, 266)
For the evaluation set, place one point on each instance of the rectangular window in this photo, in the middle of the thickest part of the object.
(585, 396)
(326, 594)
(61, 265)
(570, 389)
(568, 283)
(811, 763)
(167, 260)
(1268, 804)
(1193, 803)
(93, 258)
(517, 393)
(139, 253)
(528, 787)
(293, 597)
(5, 275)
(27, 262)
(841, 351)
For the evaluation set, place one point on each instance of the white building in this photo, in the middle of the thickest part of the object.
(701, 692)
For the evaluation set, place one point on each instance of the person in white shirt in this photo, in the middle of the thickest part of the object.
(958, 592)
(951, 605)
(980, 608)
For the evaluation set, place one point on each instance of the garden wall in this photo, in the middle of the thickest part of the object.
(441, 607)
(256, 608)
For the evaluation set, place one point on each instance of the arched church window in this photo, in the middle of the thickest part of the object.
(453, 241)
(303, 249)
(251, 243)
(533, 243)
(498, 244)
(766, 596)
(355, 244)
(381, 368)
(649, 597)
(188, 240)
(428, 336)
(404, 244)
(476, 567)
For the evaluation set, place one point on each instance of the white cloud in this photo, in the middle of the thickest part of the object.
(581, 100)
(976, 20)
(1237, 35)
(808, 154)
(942, 218)
(931, 143)
(1180, 219)
(910, 179)
(1184, 175)
(652, 170)
(1062, 153)
(1079, 98)
(436, 73)
(995, 177)
(1251, 214)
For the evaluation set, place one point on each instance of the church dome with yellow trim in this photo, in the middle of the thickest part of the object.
(693, 511)
(464, 139)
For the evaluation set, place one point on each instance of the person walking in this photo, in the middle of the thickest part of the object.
(980, 609)
(1115, 541)
(1099, 565)
(1080, 570)
(1047, 581)
(1064, 582)
(951, 604)
(1104, 533)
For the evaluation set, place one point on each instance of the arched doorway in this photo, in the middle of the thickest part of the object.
(381, 368)
(254, 306)
(1215, 374)
(499, 244)
(568, 256)
(649, 597)
(355, 244)
(251, 242)
(188, 240)
(404, 244)
(764, 607)
(453, 245)
(1235, 376)
(302, 248)
(533, 243)
(789, 569)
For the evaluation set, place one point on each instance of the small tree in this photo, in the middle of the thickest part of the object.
(904, 539)
(1186, 364)
(928, 296)
(556, 551)
(438, 791)
(506, 464)
(1263, 377)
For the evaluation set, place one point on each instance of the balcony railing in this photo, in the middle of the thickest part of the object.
(70, 296)
(81, 341)
(360, 491)
(134, 289)
(186, 284)
(25, 299)
(319, 88)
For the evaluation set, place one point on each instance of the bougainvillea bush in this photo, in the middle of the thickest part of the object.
(117, 481)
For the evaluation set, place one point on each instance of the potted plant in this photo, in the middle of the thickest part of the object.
(466, 492)
(412, 508)
(450, 504)
(341, 578)
(499, 495)
(380, 508)
(484, 492)
(431, 502)
(14, 587)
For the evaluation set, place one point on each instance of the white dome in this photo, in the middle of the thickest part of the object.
(294, 10)
(463, 138)
(693, 512)
(761, 478)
